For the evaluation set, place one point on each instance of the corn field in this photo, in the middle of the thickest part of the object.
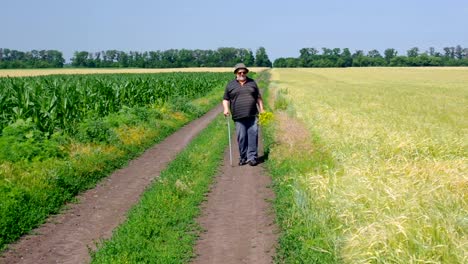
(59, 102)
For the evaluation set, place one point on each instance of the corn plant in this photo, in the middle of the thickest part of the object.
(60, 102)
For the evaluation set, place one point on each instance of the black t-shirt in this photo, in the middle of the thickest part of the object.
(242, 99)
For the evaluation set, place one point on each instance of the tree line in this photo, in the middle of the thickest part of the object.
(173, 58)
(311, 57)
(13, 59)
(227, 57)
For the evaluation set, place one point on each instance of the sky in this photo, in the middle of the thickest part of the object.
(281, 27)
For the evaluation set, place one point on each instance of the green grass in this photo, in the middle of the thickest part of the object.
(161, 227)
(384, 179)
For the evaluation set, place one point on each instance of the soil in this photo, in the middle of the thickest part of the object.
(237, 217)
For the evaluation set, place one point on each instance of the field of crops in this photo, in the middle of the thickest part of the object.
(369, 165)
(384, 177)
(61, 133)
(61, 102)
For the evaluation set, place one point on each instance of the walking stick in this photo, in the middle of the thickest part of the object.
(230, 145)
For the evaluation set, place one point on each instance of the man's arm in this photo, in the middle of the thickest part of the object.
(260, 104)
(226, 107)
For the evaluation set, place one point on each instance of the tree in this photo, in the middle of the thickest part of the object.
(307, 55)
(79, 58)
(326, 52)
(246, 56)
(359, 60)
(169, 58)
(287, 62)
(261, 58)
(124, 60)
(389, 54)
(186, 58)
(347, 58)
(399, 61)
(374, 54)
(212, 58)
(458, 52)
(55, 58)
(413, 52)
(449, 52)
(227, 57)
(97, 59)
(358, 53)
(90, 62)
(154, 59)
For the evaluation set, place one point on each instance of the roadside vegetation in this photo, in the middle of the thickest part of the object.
(375, 170)
(62, 134)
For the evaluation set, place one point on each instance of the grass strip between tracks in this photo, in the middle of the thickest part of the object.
(161, 228)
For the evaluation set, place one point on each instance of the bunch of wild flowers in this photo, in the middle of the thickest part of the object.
(265, 118)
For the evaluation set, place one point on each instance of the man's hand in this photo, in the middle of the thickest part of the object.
(226, 113)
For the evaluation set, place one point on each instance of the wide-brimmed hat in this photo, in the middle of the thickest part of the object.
(240, 66)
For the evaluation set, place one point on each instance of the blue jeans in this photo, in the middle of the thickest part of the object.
(247, 138)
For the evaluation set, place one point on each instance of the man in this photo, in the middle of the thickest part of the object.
(242, 98)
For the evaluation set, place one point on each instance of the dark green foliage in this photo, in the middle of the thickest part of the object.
(310, 57)
(172, 58)
(23, 141)
(14, 59)
(18, 209)
(261, 58)
(95, 130)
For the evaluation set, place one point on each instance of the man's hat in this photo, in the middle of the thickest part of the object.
(240, 66)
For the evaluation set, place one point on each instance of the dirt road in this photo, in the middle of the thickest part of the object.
(236, 217)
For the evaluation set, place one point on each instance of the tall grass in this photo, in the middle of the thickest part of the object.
(397, 139)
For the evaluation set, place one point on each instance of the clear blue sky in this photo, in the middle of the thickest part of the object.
(282, 27)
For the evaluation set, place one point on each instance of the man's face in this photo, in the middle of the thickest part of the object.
(241, 75)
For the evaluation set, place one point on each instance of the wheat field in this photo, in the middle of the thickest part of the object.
(398, 137)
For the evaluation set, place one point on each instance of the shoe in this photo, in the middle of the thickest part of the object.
(253, 162)
(242, 162)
